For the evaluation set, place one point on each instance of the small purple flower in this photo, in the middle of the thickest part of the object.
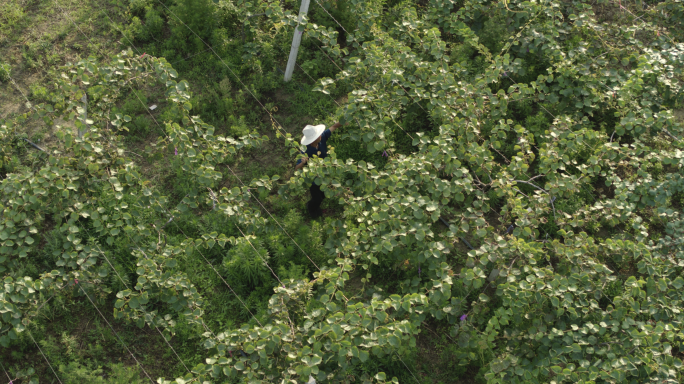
(464, 317)
(384, 153)
(528, 50)
(176, 151)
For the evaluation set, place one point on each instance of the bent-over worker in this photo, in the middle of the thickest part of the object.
(315, 138)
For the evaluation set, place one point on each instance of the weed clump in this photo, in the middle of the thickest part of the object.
(4, 72)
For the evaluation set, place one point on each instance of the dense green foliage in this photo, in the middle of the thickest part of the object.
(542, 133)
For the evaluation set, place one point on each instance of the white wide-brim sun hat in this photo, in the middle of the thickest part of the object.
(311, 133)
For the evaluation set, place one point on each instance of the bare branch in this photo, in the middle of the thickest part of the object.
(534, 185)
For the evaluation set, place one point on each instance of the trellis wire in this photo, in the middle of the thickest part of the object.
(273, 119)
(211, 265)
(444, 221)
(45, 357)
(30, 105)
(277, 125)
(277, 222)
(241, 182)
(105, 256)
(250, 243)
(116, 334)
(142, 310)
(7, 374)
(130, 86)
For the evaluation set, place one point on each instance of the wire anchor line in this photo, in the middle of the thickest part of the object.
(147, 257)
(157, 123)
(44, 357)
(129, 85)
(277, 222)
(257, 100)
(258, 254)
(34, 342)
(7, 374)
(105, 256)
(127, 287)
(277, 124)
(29, 105)
(212, 266)
(112, 328)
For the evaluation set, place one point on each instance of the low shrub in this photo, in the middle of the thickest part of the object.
(38, 93)
(245, 266)
(4, 72)
(134, 30)
(154, 24)
(137, 7)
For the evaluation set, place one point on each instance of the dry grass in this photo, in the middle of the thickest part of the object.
(679, 115)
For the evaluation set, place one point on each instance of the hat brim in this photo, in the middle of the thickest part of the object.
(306, 140)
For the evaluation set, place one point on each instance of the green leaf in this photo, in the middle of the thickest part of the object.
(662, 285)
(133, 303)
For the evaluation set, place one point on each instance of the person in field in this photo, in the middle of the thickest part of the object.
(315, 138)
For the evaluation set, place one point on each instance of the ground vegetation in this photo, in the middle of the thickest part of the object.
(504, 201)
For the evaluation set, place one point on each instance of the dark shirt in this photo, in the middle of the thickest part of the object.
(322, 150)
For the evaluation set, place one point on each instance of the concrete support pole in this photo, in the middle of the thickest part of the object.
(296, 39)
